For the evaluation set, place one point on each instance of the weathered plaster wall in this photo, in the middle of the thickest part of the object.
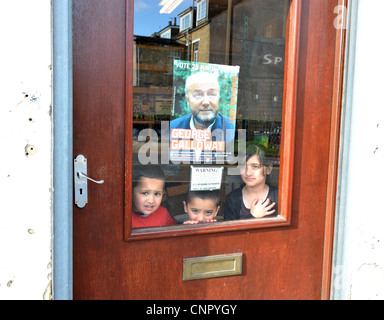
(25, 149)
(367, 157)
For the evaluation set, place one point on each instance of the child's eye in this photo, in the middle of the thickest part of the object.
(208, 213)
(145, 193)
(158, 194)
(195, 211)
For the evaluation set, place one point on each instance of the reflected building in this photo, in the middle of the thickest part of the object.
(152, 78)
(250, 34)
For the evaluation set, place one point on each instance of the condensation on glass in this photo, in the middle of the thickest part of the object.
(242, 43)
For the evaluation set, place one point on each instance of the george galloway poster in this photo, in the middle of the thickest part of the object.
(203, 121)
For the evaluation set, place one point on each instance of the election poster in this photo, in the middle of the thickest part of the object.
(204, 108)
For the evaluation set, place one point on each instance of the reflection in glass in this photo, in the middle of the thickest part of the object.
(249, 34)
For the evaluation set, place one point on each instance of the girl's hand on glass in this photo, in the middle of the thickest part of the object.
(260, 210)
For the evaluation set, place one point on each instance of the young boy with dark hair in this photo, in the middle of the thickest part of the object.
(147, 193)
(201, 206)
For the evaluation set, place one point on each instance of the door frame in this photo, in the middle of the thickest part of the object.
(63, 157)
(62, 284)
(334, 150)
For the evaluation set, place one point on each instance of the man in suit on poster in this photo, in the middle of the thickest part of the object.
(202, 93)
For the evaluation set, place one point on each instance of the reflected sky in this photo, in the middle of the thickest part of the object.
(147, 17)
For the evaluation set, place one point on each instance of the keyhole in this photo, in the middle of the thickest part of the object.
(81, 190)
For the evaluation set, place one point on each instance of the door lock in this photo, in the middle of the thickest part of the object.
(81, 181)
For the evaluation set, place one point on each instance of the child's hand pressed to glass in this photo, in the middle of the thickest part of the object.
(260, 209)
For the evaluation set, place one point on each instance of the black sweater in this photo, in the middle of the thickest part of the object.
(232, 207)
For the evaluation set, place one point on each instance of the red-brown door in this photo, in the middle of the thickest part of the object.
(288, 260)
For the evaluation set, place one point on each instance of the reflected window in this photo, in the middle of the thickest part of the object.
(166, 34)
(207, 110)
(186, 20)
(201, 9)
(196, 51)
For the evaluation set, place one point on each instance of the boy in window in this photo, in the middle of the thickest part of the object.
(201, 206)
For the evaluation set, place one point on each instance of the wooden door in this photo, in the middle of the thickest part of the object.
(286, 260)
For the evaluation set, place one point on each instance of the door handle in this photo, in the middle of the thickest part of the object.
(83, 175)
(81, 181)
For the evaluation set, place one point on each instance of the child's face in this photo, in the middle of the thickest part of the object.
(201, 210)
(147, 195)
(254, 173)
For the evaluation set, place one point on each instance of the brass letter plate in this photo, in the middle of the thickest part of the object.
(212, 266)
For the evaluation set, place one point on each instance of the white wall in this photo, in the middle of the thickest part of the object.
(359, 251)
(25, 142)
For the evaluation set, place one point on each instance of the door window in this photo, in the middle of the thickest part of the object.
(209, 146)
